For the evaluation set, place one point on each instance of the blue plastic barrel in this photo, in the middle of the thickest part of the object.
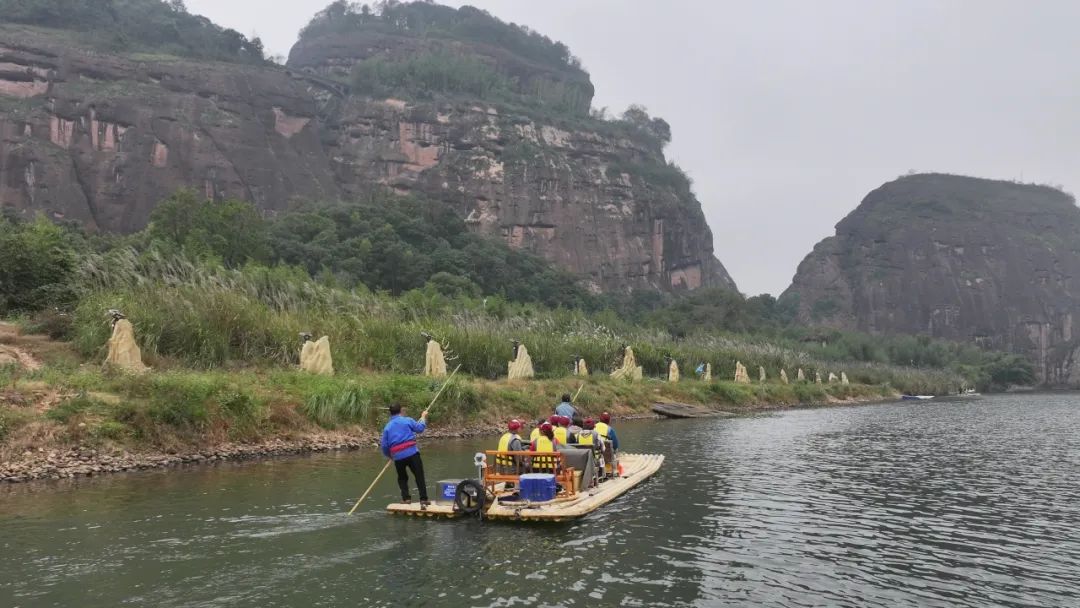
(537, 487)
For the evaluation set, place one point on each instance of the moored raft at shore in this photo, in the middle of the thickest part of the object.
(636, 468)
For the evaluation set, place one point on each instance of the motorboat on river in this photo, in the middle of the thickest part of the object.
(506, 485)
(916, 397)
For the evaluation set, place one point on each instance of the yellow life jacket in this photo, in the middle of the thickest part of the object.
(586, 437)
(543, 444)
(602, 430)
(561, 435)
(504, 446)
(534, 434)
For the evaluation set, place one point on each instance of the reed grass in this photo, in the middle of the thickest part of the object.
(210, 318)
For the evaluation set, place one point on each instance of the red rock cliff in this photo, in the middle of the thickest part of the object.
(100, 138)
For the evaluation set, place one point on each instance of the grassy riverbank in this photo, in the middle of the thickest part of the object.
(68, 416)
(223, 342)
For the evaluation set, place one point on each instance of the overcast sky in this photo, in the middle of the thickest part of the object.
(787, 112)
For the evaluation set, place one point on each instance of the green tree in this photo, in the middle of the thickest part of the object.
(37, 268)
(232, 231)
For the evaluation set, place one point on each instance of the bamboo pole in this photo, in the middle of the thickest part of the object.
(578, 392)
(423, 416)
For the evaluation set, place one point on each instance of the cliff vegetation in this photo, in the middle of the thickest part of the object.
(128, 26)
(527, 63)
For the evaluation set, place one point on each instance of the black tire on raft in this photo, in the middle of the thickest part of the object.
(469, 497)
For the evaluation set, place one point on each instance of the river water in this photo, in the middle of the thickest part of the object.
(971, 503)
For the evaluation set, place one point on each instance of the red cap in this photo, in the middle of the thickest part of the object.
(553, 419)
(605, 417)
(589, 423)
(564, 421)
(545, 427)
(514, 425)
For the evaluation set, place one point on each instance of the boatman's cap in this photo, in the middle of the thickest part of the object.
(554, 419)
(545, 427)
(605, 417)
(589, 423)
(514, 425)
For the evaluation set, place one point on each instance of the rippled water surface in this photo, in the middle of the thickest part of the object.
(928, 504)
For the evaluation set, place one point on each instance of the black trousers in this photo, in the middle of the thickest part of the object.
(416, 465)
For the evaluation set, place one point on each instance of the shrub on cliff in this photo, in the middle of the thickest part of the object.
(423, 75)
(434, 20)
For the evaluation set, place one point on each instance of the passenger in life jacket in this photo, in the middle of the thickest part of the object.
(546, 442)
(536, 429)
(590, 438)
(560, 428)
(589, 434)
(605, 430)
(399, 443)
(574, 429)
(509, 442)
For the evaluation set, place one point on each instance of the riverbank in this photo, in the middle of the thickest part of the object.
(61, 417)
(55, 461)
(86, 460)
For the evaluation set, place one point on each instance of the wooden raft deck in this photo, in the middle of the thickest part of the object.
(636, 469)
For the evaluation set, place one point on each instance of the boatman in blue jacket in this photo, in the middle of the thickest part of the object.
(399, 443)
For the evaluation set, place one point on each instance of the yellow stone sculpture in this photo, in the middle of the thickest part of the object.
(801, 376)
(741, 375)
(844, 379)
(761, 374)
(817, 377)
(124, 353)
(630, 370)
(707, 376)
(580, 369)
(673, 371)
(833, 378)
(315, 357)
(521, 366)
(783, 376)
(434, 361)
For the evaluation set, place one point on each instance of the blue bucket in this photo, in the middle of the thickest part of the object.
(537, 487)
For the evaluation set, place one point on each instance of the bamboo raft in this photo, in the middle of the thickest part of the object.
(636, 469)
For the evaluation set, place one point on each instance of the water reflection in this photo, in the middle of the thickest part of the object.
(949, 504)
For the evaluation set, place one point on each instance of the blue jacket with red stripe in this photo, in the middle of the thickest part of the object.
(399, 437)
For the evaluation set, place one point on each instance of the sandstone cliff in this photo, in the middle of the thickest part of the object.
(99, 138)
(968, 259)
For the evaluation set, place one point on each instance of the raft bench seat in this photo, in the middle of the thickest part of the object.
(507, 467)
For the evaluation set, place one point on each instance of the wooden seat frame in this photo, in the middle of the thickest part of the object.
(496, 473)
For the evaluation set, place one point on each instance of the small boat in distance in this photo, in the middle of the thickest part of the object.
(916, 397)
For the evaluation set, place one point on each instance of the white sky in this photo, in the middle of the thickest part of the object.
(787, 112)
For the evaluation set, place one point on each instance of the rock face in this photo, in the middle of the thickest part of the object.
(960, 258)
(573, 196)
(100, 139)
